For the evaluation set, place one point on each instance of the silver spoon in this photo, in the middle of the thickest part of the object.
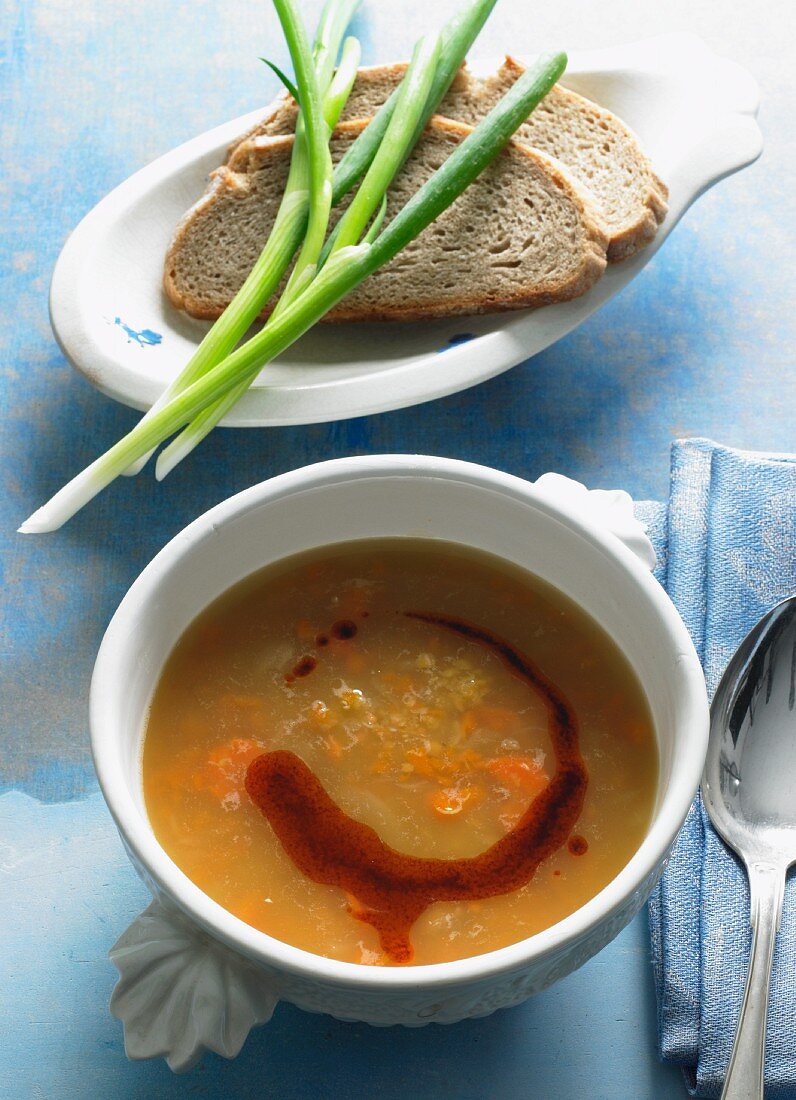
(749, 790)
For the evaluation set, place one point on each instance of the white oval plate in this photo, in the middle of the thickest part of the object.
(693, 112)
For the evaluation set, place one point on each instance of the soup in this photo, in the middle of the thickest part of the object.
(398, 751)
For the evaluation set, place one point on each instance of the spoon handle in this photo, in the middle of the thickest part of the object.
(744, 1079)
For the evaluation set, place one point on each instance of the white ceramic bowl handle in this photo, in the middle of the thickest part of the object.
(181, 993)
(610, 509)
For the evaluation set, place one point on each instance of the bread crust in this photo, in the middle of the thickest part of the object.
(255, 153)
(232, 179)
(638, 235)
(652, 209)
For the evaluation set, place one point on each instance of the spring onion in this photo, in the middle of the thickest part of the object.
(286, 234)
(291, 217)
(368, 201)
(457, 37)
(343, 271)
(208, 418)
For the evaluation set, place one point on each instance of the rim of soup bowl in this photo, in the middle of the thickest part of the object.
(109, 677)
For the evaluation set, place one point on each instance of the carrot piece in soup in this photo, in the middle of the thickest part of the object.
(520, 772)
(226, 766)
(422, 763)
(333, 747)
(451, 801)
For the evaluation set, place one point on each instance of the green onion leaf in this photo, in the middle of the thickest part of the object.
(376, 224)
(291, 87)
(396, 144)
(457, 37)
(316, 134)
(286, 232)
(343, 271)
(343, 81)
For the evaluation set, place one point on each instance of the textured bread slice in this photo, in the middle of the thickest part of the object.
(597, 148)
(523, 234)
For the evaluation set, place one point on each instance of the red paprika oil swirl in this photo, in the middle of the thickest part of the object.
(393, 889)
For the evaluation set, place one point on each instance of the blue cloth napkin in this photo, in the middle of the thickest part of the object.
(727, 553)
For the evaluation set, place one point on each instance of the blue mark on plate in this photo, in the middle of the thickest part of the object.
(144, 337)
(459, 338)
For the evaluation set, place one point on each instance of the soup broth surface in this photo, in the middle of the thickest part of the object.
(345, 656)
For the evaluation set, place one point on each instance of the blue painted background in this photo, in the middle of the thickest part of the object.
(701, 343)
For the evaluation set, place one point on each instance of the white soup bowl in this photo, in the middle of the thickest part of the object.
(192, 975)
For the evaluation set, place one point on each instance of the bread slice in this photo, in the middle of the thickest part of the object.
(523, 234)
(596, 146)
(598, 149)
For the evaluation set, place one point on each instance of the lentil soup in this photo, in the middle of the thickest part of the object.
(398, 751)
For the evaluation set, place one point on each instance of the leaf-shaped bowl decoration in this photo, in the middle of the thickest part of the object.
(180, 992)
(611, 509)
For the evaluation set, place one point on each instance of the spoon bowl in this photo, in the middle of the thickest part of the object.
(749, 791)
